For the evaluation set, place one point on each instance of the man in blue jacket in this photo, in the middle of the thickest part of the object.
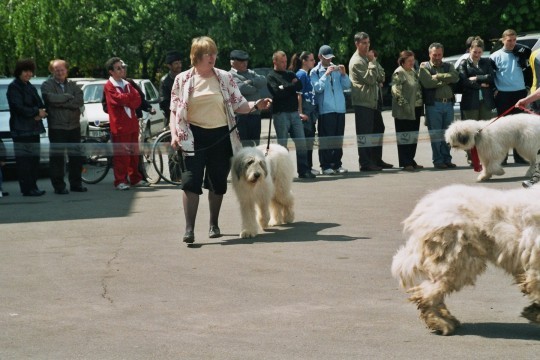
(329, 81)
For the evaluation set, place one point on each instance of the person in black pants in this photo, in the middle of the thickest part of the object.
(25, 124)
(64, 99)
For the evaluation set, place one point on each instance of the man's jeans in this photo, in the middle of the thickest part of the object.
(439, 116)
(286, 123)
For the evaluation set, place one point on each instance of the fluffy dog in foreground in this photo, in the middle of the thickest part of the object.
(263, 187)
(521, 132)
(454, 232)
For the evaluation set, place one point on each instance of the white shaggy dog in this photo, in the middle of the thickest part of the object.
(263, 187)
(453, 232)
(521, 131)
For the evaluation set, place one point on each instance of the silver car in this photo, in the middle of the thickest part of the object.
(151, 125)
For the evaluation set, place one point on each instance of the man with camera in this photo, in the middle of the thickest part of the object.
(329, 81)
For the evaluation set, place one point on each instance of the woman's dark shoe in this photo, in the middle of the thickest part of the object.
(63, 191)
(79, 189)
(189, 237)
(34, 192)
(214, 232)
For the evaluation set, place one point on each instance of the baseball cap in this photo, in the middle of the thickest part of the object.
(326, 52)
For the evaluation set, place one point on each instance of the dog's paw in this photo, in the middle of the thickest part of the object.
(483, 177)
(498, 171)
(532, 313)
(246, 234)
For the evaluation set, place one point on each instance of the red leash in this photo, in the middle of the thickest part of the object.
(477, 166)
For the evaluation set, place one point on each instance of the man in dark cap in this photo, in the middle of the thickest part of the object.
(174, 63)
(249, 125)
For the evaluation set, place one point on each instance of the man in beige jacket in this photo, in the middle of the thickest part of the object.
(365, 79)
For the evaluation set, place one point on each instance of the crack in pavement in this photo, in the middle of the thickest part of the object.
(109, 274)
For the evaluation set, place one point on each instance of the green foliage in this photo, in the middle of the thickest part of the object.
(87, 33)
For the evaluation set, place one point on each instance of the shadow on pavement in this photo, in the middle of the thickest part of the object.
(500, 330)
(295, 232)
(101, 201)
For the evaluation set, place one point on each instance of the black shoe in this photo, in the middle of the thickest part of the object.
(308, 175)
(63, 191)
(78, 189)
(370, 168)
(189, 237)
(214, 232)
(34, 192)
(384, 165)
(450, 165)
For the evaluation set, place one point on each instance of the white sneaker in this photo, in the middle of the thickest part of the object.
(328, 172)
(341, 170)
(315, 172)
(142, 183)
(122, 186)
(527, 184)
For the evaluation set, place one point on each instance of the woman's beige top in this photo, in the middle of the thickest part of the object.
(206, 108)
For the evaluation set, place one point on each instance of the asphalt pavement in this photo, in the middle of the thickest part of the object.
(104, 275)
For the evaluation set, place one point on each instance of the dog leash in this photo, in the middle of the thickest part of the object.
(510, 109)
(268, 142)
(225, 136)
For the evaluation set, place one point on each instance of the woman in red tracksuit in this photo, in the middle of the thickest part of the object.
(122, 101)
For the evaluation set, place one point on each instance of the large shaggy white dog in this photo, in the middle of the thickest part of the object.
(454, 232)
(263, 187)
(521, 132)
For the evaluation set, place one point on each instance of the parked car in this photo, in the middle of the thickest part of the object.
(94, 114)
(532, 40)
(4, 121)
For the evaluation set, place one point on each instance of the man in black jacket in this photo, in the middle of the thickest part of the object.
(165, 86)
(284, 86)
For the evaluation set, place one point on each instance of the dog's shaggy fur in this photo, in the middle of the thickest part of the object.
(263, 187)
(454, 232)
(521, 132)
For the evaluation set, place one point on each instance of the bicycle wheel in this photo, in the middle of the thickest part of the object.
(170, 160)
(148, 167)
(96, 163)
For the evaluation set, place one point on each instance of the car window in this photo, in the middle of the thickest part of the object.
(4, 106)
(528, 42)
(150, 91)
(93, 93)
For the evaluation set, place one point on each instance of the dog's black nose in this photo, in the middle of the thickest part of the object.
(257, 175)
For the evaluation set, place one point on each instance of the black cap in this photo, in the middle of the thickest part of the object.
(172, 56)
(239, 55)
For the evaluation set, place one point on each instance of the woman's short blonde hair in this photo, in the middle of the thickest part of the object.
(199, 46)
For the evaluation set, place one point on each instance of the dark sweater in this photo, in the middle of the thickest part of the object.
(284, 99)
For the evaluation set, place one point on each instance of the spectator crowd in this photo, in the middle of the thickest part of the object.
(308, 101)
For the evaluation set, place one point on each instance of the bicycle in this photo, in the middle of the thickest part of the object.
(164, 154)
(98, 157)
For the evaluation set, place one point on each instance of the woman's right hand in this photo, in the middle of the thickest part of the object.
(42, 114)
(175, 142)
